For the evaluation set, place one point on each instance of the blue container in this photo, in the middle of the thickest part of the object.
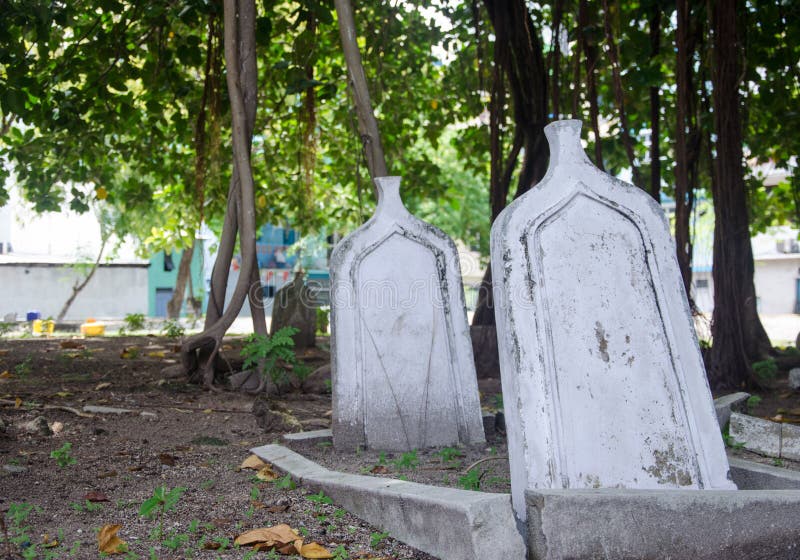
(33, 315)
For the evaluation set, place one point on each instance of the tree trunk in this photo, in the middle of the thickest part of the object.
(175, 304)
(619, 95)
(655, 107)
(241, 78)
(518, 59)
(555, 57)
(367, 124)
(79, 286)
(682, 163)
(738, 337)
(589, 49)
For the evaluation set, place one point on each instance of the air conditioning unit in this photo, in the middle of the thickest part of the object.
(787, 246)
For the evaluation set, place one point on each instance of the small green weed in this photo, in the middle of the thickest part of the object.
(285, 483)
(62, 455)
(753, 402)
(320, 498)
(765, 370)
(134, 322)
(449, 454)
(87, 506)
(274, 355)
(471, 480)
(375, 539)
(173, 329)
(23, 368)
(161, 502)
(407, 461)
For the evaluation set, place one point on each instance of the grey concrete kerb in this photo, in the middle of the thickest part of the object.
(664, 524)
(444, 522)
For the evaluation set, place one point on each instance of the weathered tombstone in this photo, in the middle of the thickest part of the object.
(293, 307)
(603, 381)
(402, 368)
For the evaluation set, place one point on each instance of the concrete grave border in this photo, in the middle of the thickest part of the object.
(444, 522)
(460, 525)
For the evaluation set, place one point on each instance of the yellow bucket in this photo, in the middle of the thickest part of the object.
(44, 327)
(93, 328)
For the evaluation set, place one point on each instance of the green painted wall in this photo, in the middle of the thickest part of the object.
(157, 277)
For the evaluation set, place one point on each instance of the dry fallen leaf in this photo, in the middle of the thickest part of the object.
(252, 462)
(17, 402)
(277, 509)
(103, 385)
(208, 411)
(279, 534)
(72, 345)
(95, 496)
(3, 353)
(108, 474)
(379, 469)
(47, 542)
(314, 550)
(6, 375)
(158, 354)
(57, 427)
(266, 474)
(63, 394)
(108, 541)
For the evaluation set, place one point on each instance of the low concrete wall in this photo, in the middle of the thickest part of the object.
(114, 290)
(664, 524)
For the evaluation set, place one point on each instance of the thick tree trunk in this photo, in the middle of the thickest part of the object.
(589, 50)
(367, 124)
(655, 107)
(518, 59)
(241, 78)
(738, 337)
(555, 58)
(619, 95)
(683, 187)
(79, 286)
(175, 304)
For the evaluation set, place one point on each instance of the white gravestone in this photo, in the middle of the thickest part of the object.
(603, 381)
(402, 367)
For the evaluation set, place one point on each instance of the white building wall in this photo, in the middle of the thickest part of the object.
(113, 292)
(776, 284)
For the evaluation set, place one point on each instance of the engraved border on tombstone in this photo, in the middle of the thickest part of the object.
(402, 366)
(603, 381)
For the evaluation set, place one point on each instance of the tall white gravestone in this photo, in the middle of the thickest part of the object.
(402, 367)
(603, 381)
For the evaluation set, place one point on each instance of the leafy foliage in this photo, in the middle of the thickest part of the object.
(274, 355)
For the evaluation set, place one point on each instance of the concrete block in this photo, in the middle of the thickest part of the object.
(403, 373)
(603, 380)
(735, 402)
(790, 442)
(749, 475)
(664, 524)
(314, 436)
(756, 434)
(444, 522)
